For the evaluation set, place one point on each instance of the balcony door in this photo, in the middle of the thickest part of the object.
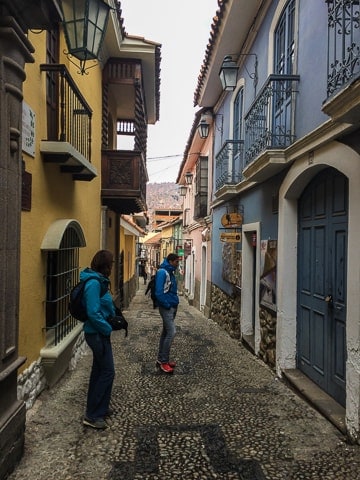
(52, 89)
(238, 135)
(284, 65)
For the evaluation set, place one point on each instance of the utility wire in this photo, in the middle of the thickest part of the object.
(165, 156)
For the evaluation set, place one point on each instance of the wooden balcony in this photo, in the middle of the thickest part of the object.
(123, 181)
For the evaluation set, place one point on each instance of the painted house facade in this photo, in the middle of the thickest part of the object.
(285, 203)
(195, 181)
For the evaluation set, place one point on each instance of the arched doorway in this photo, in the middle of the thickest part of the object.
(322, 273)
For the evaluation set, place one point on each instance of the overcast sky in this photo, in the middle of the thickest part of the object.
(183, 29)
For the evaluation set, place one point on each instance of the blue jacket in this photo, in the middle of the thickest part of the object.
(166, 295)
(98, 301)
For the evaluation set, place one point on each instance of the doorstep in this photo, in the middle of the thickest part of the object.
(325, 404)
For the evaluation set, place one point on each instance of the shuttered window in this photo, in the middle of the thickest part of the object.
(201, 188)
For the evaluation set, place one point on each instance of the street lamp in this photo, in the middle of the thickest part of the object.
(203, 128)
(228, 73)
(188, 178)
(182, 190)
(84, 23)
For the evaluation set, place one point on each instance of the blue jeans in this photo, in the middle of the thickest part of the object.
(101, 377)
(167, 334)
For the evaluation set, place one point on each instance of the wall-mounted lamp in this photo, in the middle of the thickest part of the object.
(84, 23)
(188, 178)
(182, 190)
(229, 71)
(206, 120)
(203, 128)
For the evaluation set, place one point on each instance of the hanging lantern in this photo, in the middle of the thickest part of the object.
(228, 73)
(84, 23)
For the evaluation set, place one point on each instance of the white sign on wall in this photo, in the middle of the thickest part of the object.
(28, 130)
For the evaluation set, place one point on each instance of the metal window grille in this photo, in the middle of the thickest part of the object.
(62, 275)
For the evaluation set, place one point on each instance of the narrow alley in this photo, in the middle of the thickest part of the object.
(222, 415)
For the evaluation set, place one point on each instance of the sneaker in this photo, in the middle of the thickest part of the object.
(165, 367)
(172, 364)
(99, 424)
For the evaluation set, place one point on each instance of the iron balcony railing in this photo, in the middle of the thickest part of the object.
(229, 163)
(343, 43)
(69, 115)
(269, 124)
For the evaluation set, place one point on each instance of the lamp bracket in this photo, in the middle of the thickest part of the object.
(254, 74)
(81, 66)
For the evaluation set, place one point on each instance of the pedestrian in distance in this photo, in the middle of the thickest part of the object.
(167, 300)
(151, 288)
(142, 272)
(97, 331)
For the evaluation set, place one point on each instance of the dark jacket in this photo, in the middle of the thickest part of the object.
(166, 286)
(98, 301)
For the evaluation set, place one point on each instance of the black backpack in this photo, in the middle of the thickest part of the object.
(151, 288)
(76, 306)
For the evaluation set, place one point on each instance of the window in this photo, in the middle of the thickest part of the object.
(284, 65)
(285, 41)
(52, 97)
(201, 188)
(238, 115)
(235, 162)
(62, 274)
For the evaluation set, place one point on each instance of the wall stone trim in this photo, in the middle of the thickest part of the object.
(32, 381)
(267, 350)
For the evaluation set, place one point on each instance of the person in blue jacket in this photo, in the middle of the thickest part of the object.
(97, 331)
(167, 300)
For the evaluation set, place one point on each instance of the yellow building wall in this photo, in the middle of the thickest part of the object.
(167, 245)
(127, 245)
(55, 195)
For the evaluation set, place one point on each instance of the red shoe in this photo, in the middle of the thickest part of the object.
(166, 368)
(172, 364)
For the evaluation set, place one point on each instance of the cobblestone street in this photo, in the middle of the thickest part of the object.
(222, 415)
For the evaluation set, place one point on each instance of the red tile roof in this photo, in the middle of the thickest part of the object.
(215, 27)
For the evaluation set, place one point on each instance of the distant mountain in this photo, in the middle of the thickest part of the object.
(163, 196)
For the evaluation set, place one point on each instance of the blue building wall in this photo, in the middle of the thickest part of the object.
(311, 66)
(256, 205)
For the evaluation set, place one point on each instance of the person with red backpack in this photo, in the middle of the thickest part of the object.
(167, 300)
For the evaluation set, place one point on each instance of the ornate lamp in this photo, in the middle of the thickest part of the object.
(85, 23)
(188, 178)
(203, 128)
(182, 190)
(228, 73)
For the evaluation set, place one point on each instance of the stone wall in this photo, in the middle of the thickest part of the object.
(225, 310)
(267, 350)
(32, 381)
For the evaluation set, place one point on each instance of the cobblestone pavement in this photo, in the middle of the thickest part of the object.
(222, 415)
